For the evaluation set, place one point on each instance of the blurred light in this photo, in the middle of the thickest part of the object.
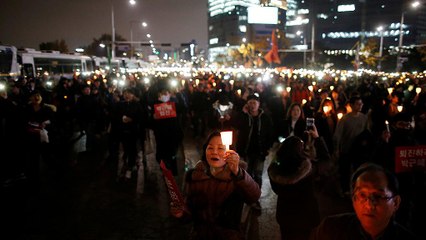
(418, 90)
(326, 109)
(132, 2)
(102, 45)
(280, 88)
(174, 83)
(288, 89)
(79, 50)
(400, 108)
(2, 87)
(339, 116)
(390, 90)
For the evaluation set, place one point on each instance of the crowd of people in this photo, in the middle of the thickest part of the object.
(347, 123)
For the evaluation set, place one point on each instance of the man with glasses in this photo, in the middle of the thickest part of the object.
(375, 199)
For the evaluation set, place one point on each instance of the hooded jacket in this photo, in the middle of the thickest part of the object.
(297, 208)
(244, 124)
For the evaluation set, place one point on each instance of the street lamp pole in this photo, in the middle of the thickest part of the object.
(113, 32)
(401, 34)
(379, 66)
(414, 4)
(132, 2)
(144, 24)
(313, 43)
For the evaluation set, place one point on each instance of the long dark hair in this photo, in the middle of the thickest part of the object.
(290, 154)
(293, 105)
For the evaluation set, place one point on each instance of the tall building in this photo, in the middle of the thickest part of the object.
(339, 25)
(229, 26)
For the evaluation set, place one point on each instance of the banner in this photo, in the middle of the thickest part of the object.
(410, 158)
(174, 193)
(164, 110)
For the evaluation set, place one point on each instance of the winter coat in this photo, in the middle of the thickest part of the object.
(348, 227)
(244, 124)
(297, 207)
(216, 202)
(132, 110)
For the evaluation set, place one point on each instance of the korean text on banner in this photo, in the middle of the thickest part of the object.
(175, 195)
(164, 110)
(410, 158)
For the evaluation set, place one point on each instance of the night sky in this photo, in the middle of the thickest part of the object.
(27, 23)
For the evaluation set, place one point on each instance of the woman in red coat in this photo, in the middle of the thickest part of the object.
(215, 192)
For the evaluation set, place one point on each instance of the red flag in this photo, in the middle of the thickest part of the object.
(174, 193)
(272, 55)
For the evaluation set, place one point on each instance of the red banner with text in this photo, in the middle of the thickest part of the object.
(164, 110)
(410, 158)
(174, 192)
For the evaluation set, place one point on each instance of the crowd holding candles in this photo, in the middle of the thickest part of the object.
(202, 100)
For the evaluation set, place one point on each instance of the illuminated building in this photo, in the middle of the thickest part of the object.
(229, 27)
(339, 25)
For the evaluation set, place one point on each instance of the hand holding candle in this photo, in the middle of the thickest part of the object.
(387, 125)
(232, 158)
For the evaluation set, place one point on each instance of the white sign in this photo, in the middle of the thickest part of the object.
(262, 15)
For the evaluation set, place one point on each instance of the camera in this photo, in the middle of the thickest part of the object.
(310, 123)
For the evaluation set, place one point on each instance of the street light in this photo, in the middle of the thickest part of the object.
(132, 2)
(143, 24)
(300, 33)
(379, 66)
(103, 45)
(401, 24)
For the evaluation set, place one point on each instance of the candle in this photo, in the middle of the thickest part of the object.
(339, 115)
(418, 90)
(239, 92)
(400, 108)
(326, 109)
(387, 125)
(226, 138)
(288, 89)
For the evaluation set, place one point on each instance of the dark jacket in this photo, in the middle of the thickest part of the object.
(132, 110)
(347, 227)
(215, 202)
(284, 128)
(297, 207)
(244, 123)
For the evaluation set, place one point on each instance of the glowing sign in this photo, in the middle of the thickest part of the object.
(262, 15)
(346, 8)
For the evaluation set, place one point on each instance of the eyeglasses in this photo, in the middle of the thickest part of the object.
(362, 198)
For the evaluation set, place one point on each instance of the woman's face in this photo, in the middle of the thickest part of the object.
(215, 153)
(36, 99)
(295, 112)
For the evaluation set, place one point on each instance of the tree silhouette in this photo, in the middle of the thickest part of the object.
(95, 50)
(57, 45)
